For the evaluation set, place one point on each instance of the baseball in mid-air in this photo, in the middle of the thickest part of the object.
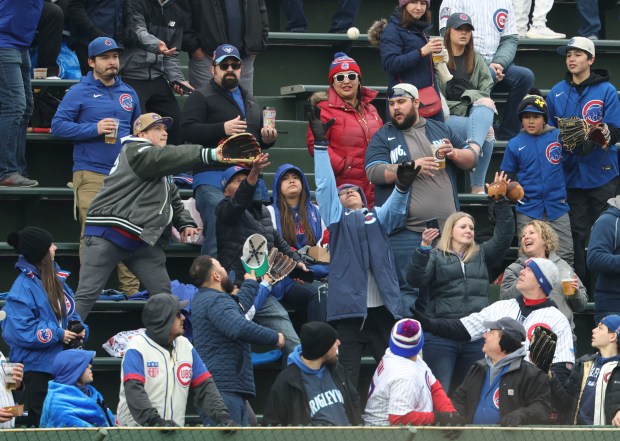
(353, 33)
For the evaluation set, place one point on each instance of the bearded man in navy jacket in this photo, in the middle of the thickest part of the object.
(85, 116)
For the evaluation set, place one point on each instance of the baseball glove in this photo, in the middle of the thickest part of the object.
(240, 148)
(573, 131)
(542, 348)
(599, 134)
(280, 265)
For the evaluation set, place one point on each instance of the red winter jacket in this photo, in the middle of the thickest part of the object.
(349, 137)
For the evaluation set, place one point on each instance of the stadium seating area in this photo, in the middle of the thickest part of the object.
(292, 67)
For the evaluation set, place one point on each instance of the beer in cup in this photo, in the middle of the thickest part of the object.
(110, 138)
(567, 283)
(437, 56)
(440, 157)
(39, 73)
(269, 117)
(9, 381)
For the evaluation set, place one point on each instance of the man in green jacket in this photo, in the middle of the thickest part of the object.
(129, 216)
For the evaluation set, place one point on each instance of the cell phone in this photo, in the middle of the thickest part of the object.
(186, 90)
(432, 223)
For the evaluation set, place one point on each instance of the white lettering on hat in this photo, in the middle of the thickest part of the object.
(227, 49)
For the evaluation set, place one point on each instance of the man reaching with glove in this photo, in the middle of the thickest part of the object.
(591, 169)
(532, 308)
(503, 388)
(364, 296)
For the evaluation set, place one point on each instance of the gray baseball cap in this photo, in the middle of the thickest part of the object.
(508, 326)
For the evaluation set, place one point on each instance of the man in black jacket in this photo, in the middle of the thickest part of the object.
(503, 388)
(241, 23)
(239, 216)
(314, 389)
(212, 113)
(595, 377)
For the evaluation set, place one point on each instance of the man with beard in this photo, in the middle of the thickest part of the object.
(85, 115)
(223, 335)
(439, 152)
(313, 389)
(213, 112)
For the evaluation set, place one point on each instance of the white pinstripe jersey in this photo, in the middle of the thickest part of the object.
(398, 387)
(492, 19)
(551, 316)
(6, 397)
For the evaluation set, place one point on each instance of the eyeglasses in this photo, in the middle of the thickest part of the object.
(236, 65)
(398, 92)
(350, 76)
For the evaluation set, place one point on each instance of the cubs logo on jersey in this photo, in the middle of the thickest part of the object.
(184, 374)
(126, 102)
(44, 335)
(553, 153)
(593, 112)
(499, 19)
(496, 398)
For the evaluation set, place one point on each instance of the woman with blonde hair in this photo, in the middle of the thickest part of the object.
(539, 239)
(457, 276)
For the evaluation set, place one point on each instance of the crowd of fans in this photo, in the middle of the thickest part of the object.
(385, 261)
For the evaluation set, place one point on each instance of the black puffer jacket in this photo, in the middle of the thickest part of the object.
(456, 292)
(567, 397)
(287, 403)
(210, 23)
(523, 389)
(237, 219)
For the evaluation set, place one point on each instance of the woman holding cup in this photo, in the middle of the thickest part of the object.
(466, 83)
(406, 49)
(40, 315)
(10, 379)
(538, 239)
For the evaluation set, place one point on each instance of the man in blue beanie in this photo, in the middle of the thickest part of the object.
(71, 401)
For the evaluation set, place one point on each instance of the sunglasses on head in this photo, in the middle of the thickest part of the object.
(350, 76)
(398, 92)
(236, 65)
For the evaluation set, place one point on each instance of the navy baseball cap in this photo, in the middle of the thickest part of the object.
(101, 45)
(231, 172)
(459, 19)
(224, 51)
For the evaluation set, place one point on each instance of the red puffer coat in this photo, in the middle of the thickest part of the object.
(348, 137)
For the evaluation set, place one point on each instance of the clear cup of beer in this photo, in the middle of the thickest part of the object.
(438, 56)
(567, 282)
(7, 371)
(110, 138)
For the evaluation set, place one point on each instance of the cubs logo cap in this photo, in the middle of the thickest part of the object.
(224, 51)
(580, 43)
(147, 120)
(459, 19)
(102, 45)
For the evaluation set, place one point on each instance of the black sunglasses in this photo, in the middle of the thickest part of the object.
(350, 76)
(236, 65)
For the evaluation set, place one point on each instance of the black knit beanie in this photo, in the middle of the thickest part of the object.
(32, 242)
(316, 339)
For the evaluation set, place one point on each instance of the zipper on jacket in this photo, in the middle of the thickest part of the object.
(166, 198)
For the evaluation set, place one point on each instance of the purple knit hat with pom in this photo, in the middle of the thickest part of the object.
(407, 338)
(403, 3)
